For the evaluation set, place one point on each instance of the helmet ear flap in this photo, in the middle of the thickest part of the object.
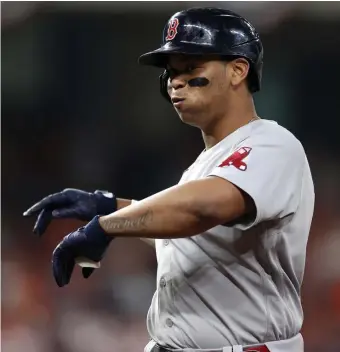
(163, 82)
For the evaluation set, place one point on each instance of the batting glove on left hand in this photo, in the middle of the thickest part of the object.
(71, 203)
(90, 242)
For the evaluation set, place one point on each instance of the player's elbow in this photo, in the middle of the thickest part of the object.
(223, 202)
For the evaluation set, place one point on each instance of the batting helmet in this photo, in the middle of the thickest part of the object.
(209, 31)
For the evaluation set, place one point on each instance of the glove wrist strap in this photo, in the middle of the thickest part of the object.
(106, 202)
(94, 230)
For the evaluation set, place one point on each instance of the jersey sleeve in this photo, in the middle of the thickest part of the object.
(270, 172)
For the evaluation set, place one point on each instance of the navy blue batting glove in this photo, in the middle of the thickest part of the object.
(71, 203)
(90, 242)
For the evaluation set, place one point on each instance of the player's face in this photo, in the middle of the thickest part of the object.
(199, 87)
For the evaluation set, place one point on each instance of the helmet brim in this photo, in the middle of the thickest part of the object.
(159, 57)
(156, 58)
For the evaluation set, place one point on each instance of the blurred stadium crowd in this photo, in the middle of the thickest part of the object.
(77, 111)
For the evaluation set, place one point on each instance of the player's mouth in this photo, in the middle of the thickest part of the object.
(177, 101)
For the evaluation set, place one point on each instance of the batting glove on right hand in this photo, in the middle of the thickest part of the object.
(89, 242)
(71, 203)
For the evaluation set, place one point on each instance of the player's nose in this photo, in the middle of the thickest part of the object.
(177, 83)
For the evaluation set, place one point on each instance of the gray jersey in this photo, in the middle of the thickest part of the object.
(239, 284)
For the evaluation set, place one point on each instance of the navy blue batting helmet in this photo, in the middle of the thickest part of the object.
(209, 31)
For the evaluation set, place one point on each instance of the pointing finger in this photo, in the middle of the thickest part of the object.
(55, 199)
(43, 220)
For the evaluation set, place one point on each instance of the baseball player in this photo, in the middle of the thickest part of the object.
(231, 237)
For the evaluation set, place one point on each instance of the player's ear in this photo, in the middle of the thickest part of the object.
(240, 69)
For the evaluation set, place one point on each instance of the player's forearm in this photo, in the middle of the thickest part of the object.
(123, 203)
(181, 211)
(158, 216)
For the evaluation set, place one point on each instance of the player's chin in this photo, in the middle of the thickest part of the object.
(188, 117)
(186, 110)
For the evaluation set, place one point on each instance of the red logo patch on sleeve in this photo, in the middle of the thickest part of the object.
(236, 159)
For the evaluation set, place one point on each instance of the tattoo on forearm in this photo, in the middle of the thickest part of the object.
(123, 223)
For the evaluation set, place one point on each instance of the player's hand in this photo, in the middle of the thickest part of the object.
(89, 242)
(71, 203)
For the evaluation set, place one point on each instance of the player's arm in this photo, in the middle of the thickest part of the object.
(74, 204)
(122, 203)
(181, 211)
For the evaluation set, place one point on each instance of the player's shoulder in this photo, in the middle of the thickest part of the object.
(271, 133)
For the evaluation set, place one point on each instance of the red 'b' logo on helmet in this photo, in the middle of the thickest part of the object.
(172, 29)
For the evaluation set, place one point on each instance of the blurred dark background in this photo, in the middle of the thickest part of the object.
(78, 111)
